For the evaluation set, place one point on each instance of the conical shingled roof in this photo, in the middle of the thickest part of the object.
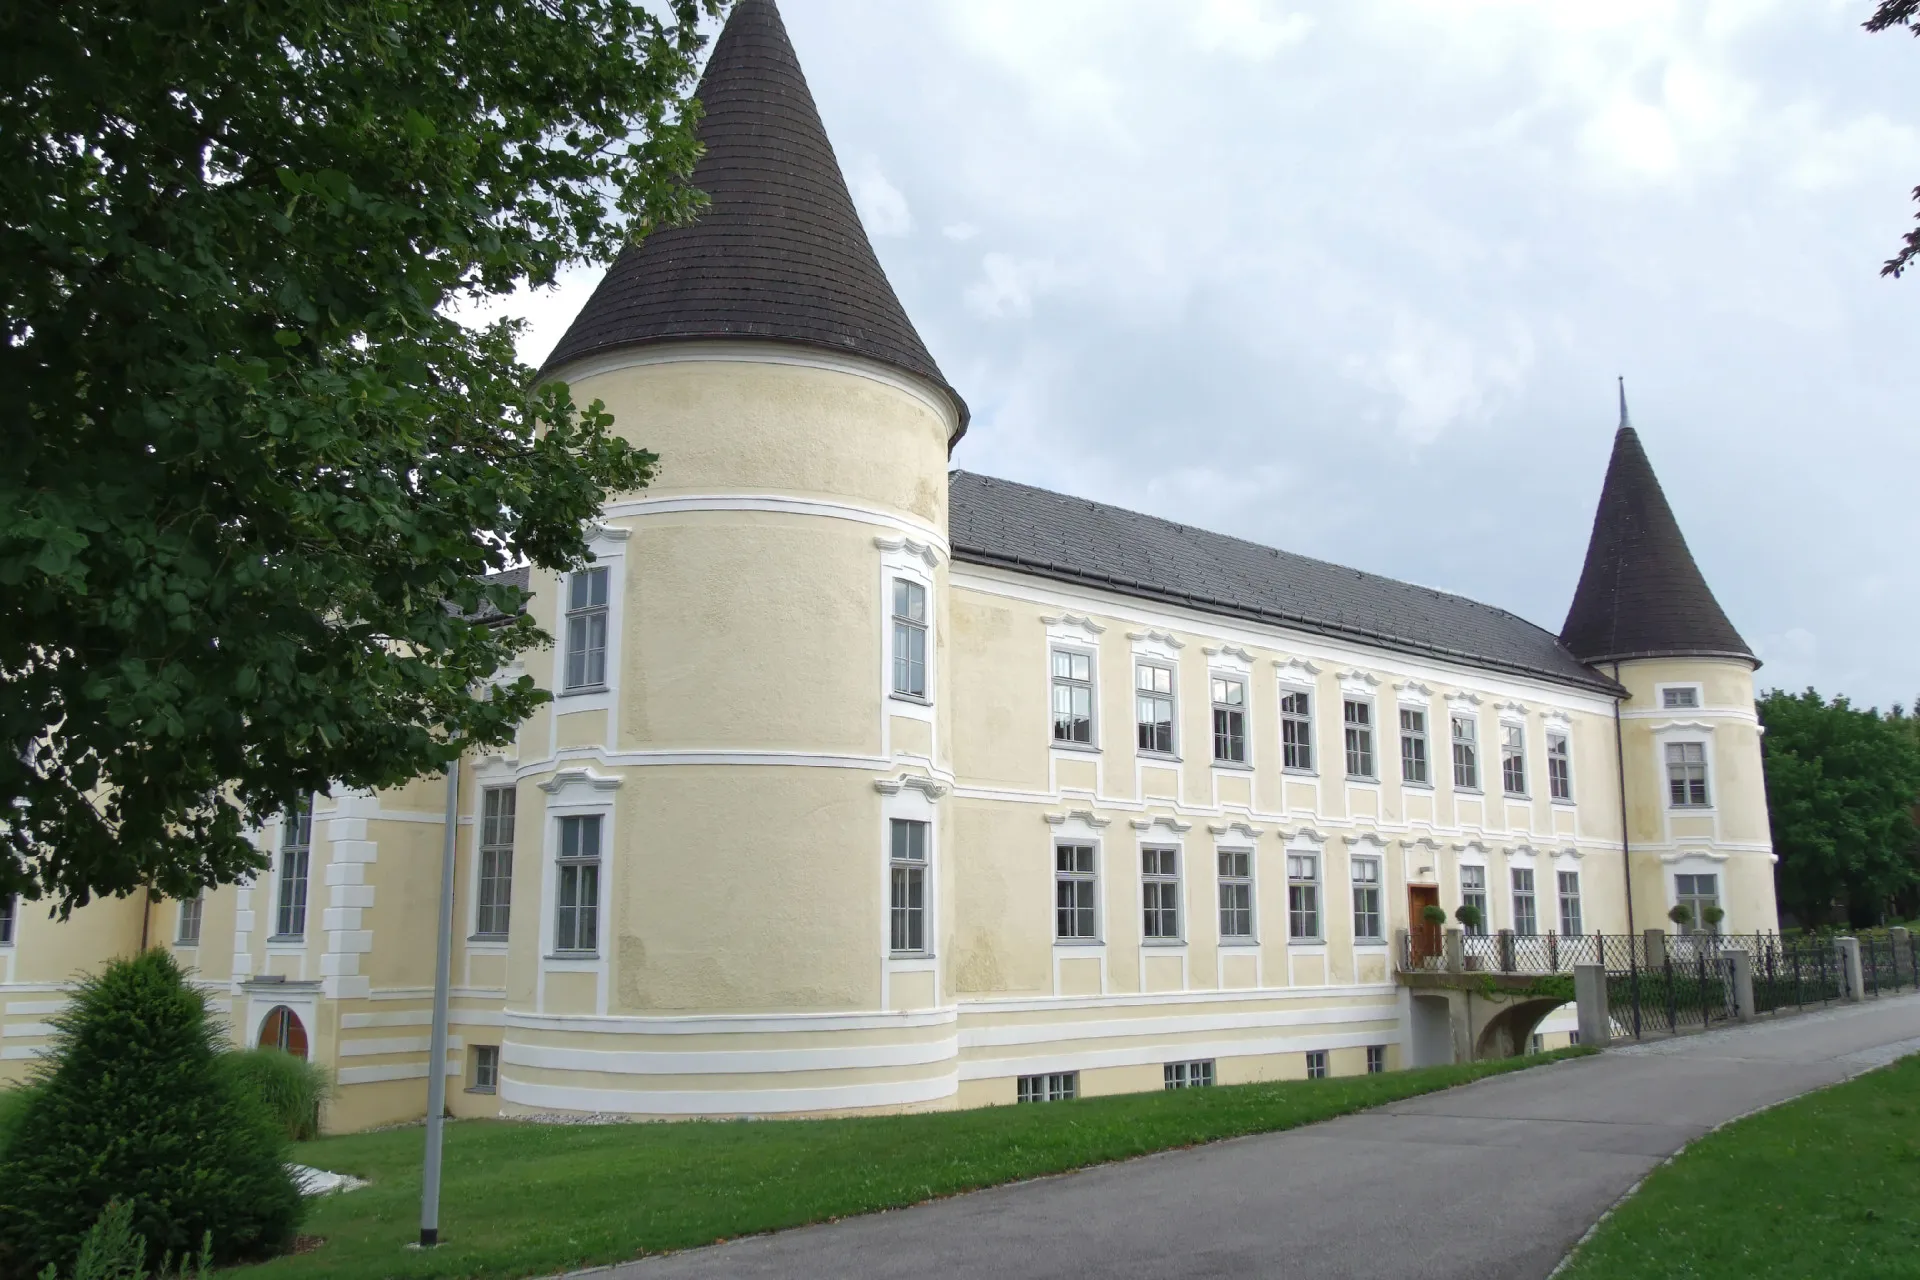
(780, 253)
(1640, 594)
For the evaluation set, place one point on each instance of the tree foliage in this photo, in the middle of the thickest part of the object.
(1890, 14)
(255, 467)
(135, 1105)
(1842, 783)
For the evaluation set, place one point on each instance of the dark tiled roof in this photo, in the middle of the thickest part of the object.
(780, 253)
(511, 577)
(1640, 594)
(1015, 526)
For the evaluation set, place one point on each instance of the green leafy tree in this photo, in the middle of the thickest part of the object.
(255, 468)
(1841, 787)
(135, 1105)
(1890, 14)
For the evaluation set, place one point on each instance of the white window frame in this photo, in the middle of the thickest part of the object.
(9, 919)
(1231, 680)
(1523, 888)
(903, 868)
(1415, 736)
(902, 629)
(1235, 882)
(1154, 695)
(1696, 901)
(1360, 865)
(1369, 738)
(1057, 683)
(1571, 922)
(579, 617)
(1301, 724)
(1313, 884)
(1478, 895)
(1198, 1074)
(1513, 759)
(1705, 763)
(1091, 877)
(1376, 1059)
(1319, 1064)
(1691, 694)
(1469, 760)
(562, 861)
(486, 846)
(192, 912)
(1048, 1086)
(486, 1068)
(283, 881)
(1560, 753)
(1160, 879)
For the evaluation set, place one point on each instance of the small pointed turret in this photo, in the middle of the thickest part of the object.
(1640, 593)
(780, 253)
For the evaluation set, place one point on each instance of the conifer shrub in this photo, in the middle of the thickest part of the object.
(133, 1103)
(291, 1089)
(13, 1102)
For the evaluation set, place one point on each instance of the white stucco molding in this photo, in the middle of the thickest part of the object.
(1471, 849)
(1227, 828)
(1057, 622)
(1412, 691)
(1228, 651)
(1295, 671)
(1463, 703)
(1311, 834)
(601, 531)
(1522, 851)
(1557, 719)
(1145, 638)
(1683, 726)
(1511, 710)
(1371, 839)
(1358, 684)
(1076, 815)
(931, 788)
(584, 777)
(1160, 820)
(1570, 853)
(926, 552)
(1690, 855)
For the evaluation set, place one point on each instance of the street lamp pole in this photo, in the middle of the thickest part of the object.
(437, 1052)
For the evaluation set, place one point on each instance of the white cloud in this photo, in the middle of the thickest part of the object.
(1255, 30)
(1441, 378)
(1008, 285)
(882, 207)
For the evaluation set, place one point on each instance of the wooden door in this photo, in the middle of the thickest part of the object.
(1425, 937)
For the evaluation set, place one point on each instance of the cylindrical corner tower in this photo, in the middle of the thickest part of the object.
(1696, 805)
(747, 743)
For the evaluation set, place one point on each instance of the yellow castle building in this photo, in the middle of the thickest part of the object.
(870, 785)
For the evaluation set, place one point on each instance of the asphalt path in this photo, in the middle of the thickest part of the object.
(1492, 1180)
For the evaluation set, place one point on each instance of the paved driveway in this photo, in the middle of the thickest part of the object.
(1496, 1179)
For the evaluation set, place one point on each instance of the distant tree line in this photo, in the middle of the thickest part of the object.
(1843, 796)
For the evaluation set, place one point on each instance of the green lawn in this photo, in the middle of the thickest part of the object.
(523, 1199)
(1828, 1185)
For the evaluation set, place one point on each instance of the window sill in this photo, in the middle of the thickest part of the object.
(1363, 780)
(1079, 942)
(1516, 795)
(287, 940)
(909, 955)
(1240, 944)
(1371, 944)
(1306, 942)
(479, 1088)
(486, 937)
(910, 699)
(1083, 748)
(1564, 803)
(1163, 944)
(1162, 757)
(1476, 792)
(1236, 766)
(1415, 786)
(573, 955)
(1694, 809)
(1292, 772)
(585, 688)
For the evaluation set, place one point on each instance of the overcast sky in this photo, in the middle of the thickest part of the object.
(1355, 278)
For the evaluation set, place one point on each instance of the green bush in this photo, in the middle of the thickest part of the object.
(133, 1104)
(13, 1104)
(112, 1251)
(291, 1089)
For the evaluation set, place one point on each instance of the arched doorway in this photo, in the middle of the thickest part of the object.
(282, 1030)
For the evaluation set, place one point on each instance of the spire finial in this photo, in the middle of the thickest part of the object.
(1624, 420)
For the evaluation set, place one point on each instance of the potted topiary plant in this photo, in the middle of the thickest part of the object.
(1434, 917)
(1711, 916)
(1469, 917)
(1680, 915)
(1434, 914)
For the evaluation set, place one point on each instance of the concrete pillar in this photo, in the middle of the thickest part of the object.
(1739, 967)
(1847, 952)
(1902, 955)
(1656, 948)
(1590, 999)
(1456, 951)
(1505, 943)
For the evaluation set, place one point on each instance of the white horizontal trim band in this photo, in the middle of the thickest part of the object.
(421, 1018)
(1034, 1004)
(729, 1023)
(1147, 1055)
(397, 1044)
(729, 1061)
(394, 1071)
(1128, 1028)
(728, 1102)
(780, 504)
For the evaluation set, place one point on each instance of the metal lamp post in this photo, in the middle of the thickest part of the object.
(437, 1050)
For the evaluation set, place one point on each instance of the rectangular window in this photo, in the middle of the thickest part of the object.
(577, 922)
(1681, 698)
(1687, 775)
(1570, 922)
(907, 892)
(1513, 759)
(1075, 919)
(1058, 1086)
(9, 915)
(296, 840)
(1366, 900)
(1153, 700)
(1236, 893)
(1559, 767)
(587, 629)
(1188, 1075)
(1359, 717)
(1160, 893)
(1538, 1044)
(1072, 697)
(1296, 730)
(1303, 896)
(1473, 893)
(909, 639)
(1526, 921)
(495, 898)
(1316, 1064)
(1376, 1059)
(486, 1068)
(1466, 754)
(1696, 894)
(191, 909)
(1413, 746)
(1229, 720)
